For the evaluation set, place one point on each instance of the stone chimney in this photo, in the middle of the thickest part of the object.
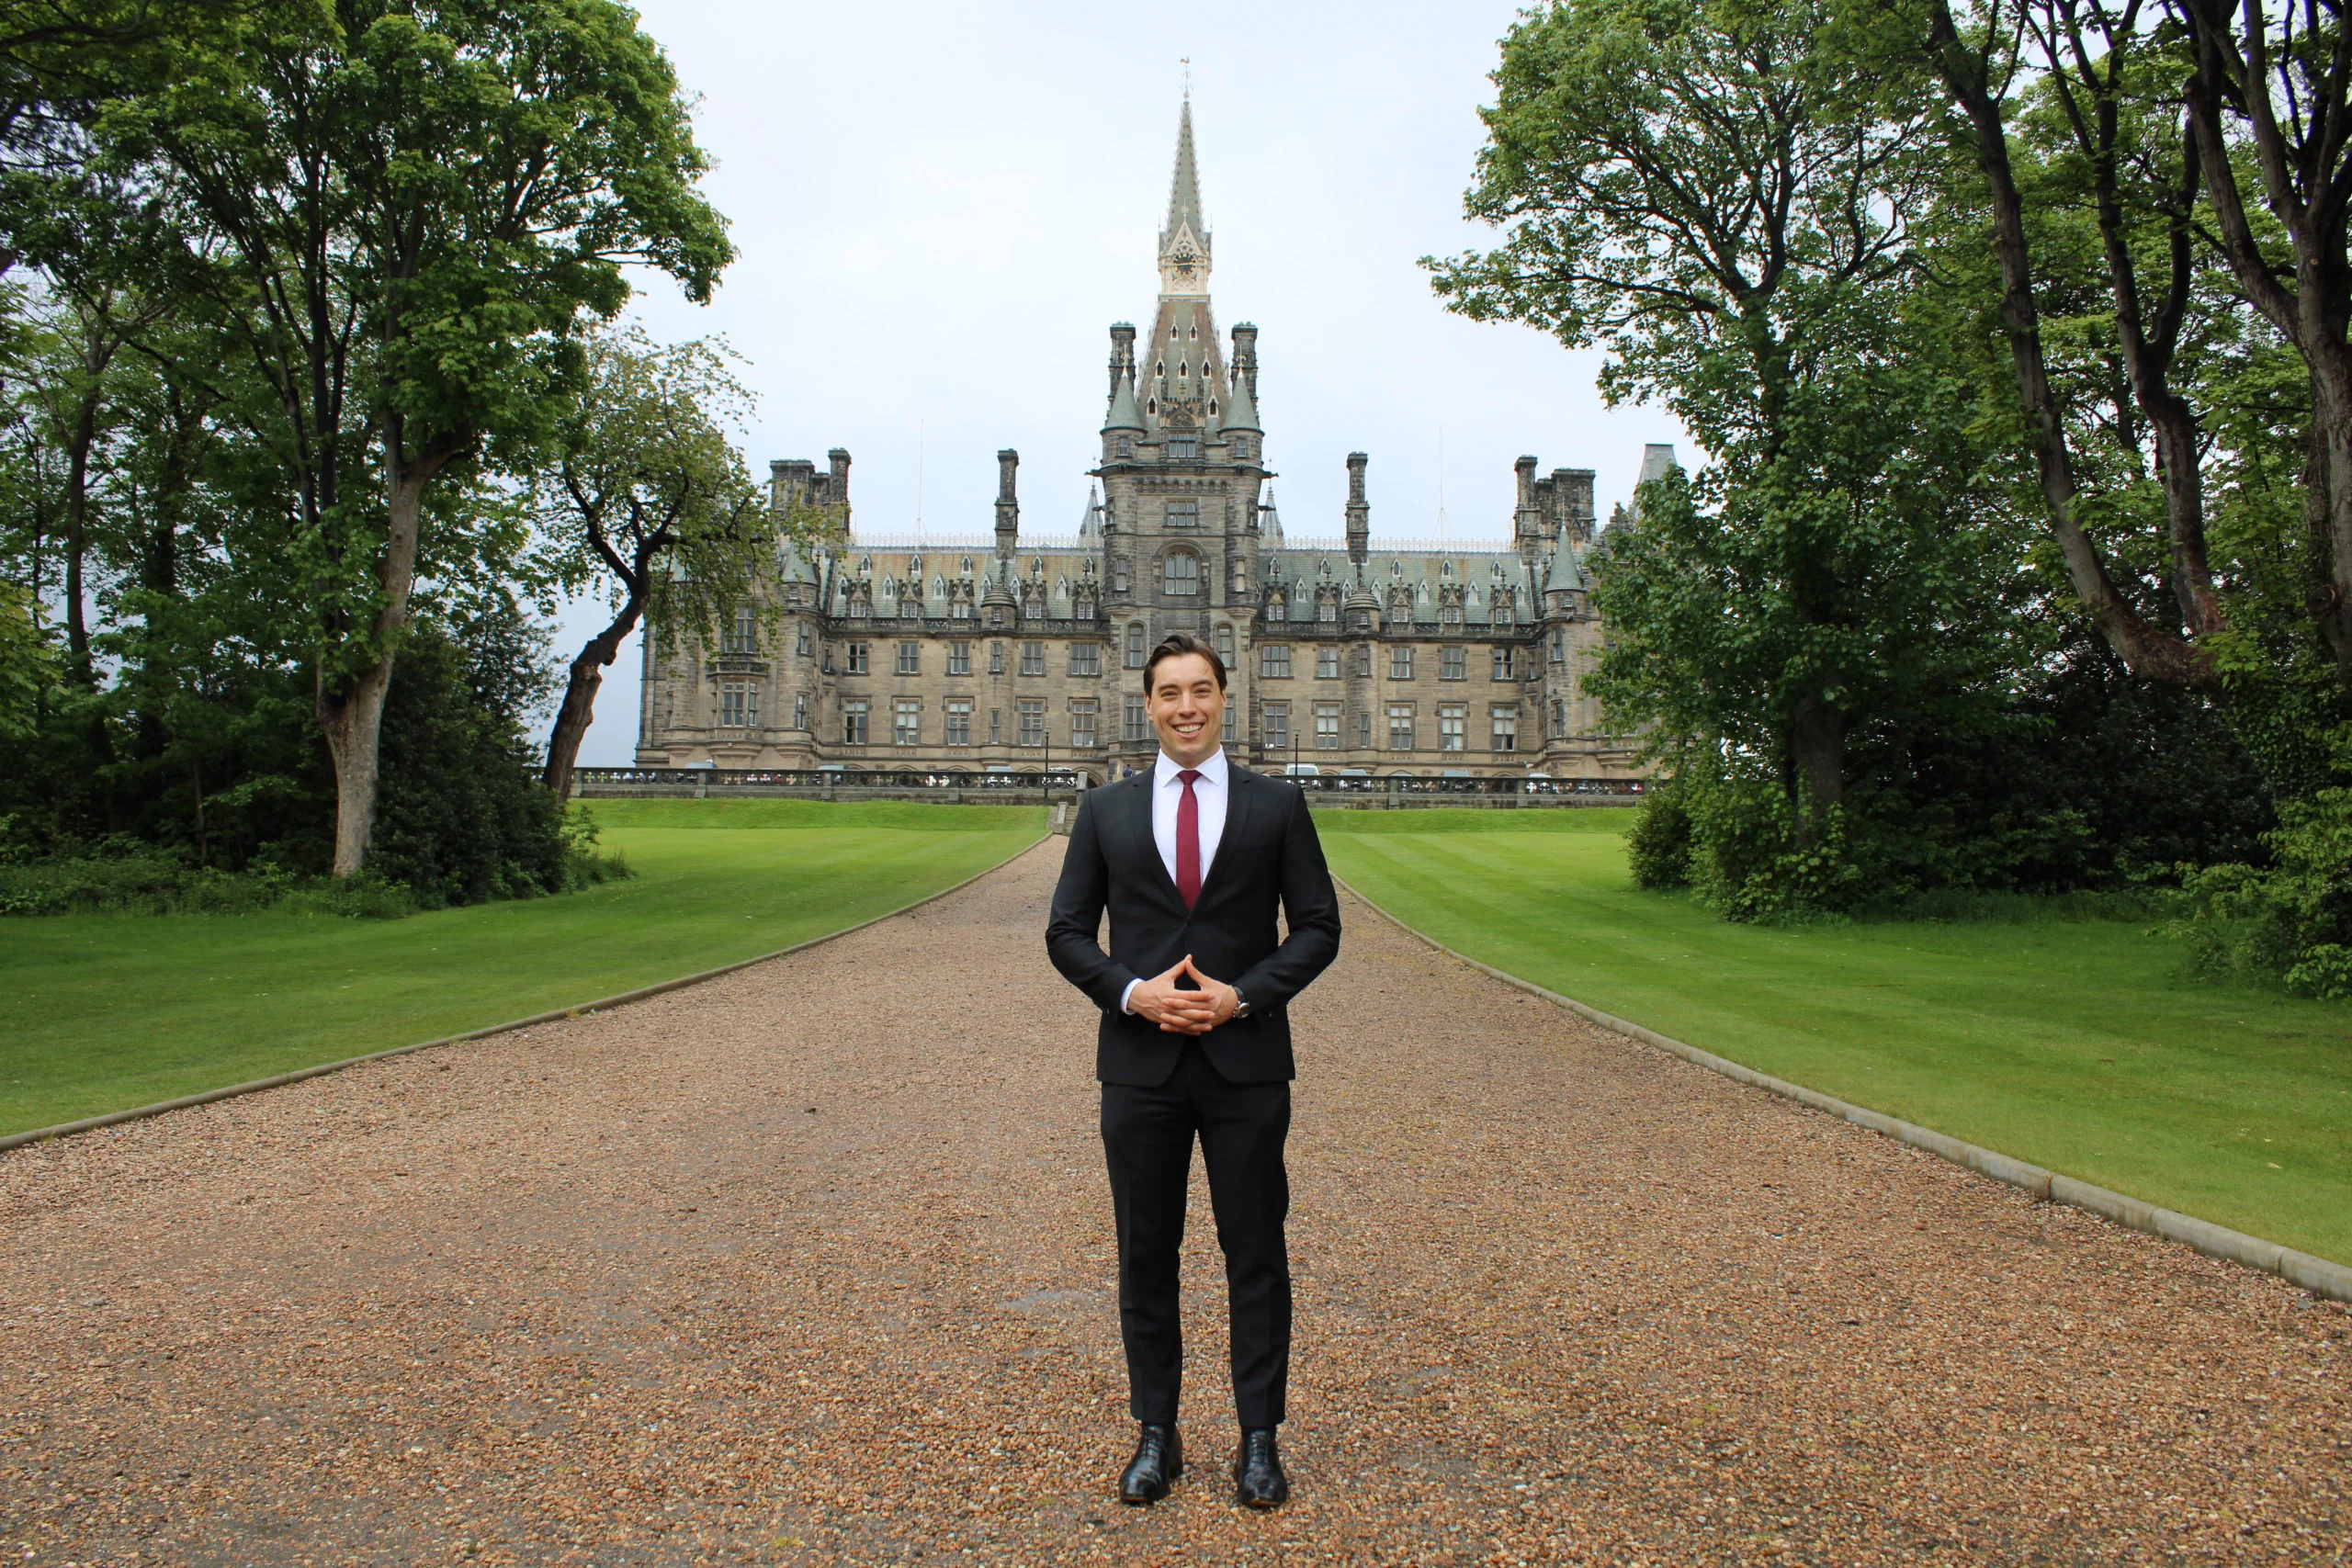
(1359, 511)
(1008, 508)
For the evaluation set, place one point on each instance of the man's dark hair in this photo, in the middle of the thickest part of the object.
(1176, 644)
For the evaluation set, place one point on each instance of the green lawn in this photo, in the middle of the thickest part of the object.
(102, 1012)
(2080, 1046)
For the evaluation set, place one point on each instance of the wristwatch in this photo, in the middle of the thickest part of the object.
(1240, 1003)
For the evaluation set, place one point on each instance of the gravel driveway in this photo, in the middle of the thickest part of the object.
(812, 1264)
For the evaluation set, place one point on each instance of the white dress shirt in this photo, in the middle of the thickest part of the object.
(1209, 795)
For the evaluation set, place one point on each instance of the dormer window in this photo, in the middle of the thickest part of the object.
(1161, 368)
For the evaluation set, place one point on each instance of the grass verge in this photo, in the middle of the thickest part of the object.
(2082, 1045)
(104, 1012)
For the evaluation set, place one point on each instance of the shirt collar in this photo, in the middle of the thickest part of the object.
(1164, 772)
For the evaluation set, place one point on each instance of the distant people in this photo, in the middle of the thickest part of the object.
(1193, 859)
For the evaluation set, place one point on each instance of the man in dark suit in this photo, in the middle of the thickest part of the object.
(1192, 858)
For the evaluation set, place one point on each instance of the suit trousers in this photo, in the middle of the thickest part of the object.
(1147, 1140)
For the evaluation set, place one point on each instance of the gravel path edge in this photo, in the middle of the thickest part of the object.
(278, 1080)
(2316, 1275)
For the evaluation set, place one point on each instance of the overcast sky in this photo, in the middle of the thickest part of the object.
(940, 208)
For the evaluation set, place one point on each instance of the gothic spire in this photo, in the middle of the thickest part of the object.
(1185, 242)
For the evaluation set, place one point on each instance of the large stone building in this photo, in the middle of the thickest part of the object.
(1009, 650)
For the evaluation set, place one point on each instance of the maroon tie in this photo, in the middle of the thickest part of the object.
(1188, 842)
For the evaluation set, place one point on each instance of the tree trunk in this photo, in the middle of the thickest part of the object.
(2148, 652)
(351, 711)
(81, 436)
(1818, 750)
(579, 707)
(2332, 439)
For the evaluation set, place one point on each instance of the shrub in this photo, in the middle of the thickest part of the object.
(1659, 846)
(2289, 923)
(145, 881)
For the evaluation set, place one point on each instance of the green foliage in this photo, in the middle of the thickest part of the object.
(1657, 848)
(2290, 921)
(146, 883)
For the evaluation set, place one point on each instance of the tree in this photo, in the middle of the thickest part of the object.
(1692, 185)
(2269, 100)
(401, 211)
(647, 497)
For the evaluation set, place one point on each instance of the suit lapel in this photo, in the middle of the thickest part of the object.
(1237, 797)
(1139, 835)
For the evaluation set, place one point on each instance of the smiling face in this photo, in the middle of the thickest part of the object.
(1187, 706)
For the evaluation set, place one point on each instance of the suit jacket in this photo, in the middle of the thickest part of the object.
(1268, 860)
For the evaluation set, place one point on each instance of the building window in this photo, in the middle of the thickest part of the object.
(1506, 728)
(996, 726)
(996, 658)
(1277, 727)
(1081, 723)
(861, 608)
(1184, 447)
(1364, 728)
(910, 659)
(1362, 658)
(858, 656)
(1326, 727)
(1400, 727)
(1327, 608)
(1033, 658)
(1086, 659)
(1327, 662)
(1225, 645)
(1401, 663)
(1127, 446)
(1184, 514)
(804, 640)
(744, 637)
(905, 721)
(1137, 727)
(1135, 647)
(959, 721)
(738, 704)
(1449, 613)
(959, 609)
(1452, 719)
(1033, 721)
(1274, 661)
(1454, 664)
(959, 659)
(1180, 574)
(1240, 449)
(1506, 664)
(1119, 577)
(1559, 646)
(800, 712)
(853, 723)
(1240, 577)
(1559, 719)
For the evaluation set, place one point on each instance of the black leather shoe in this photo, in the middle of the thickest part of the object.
(1160, 1459)
(1258, 1478)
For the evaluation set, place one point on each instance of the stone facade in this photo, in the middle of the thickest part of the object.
(1009, 650)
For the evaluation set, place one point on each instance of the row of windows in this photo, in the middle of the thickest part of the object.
(1453, 663)
(1453, 728)
(857, 659)
(739, 708)
(906, 722)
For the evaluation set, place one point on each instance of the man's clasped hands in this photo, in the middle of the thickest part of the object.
(1190, 1010)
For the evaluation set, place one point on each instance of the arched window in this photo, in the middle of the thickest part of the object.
(1180, 574)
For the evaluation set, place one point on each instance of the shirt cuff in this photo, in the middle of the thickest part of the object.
(1125, 994)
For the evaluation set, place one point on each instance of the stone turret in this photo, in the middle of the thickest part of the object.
(1242, 410)
(1359, 511)
(1008, 506)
